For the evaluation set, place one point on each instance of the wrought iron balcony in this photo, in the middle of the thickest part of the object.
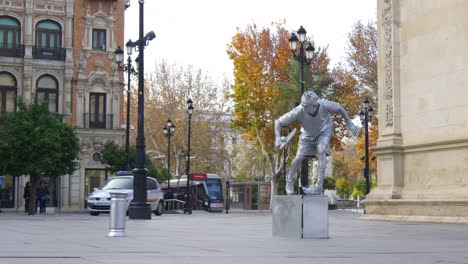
(11, 50)
(101, 121)
(49, 53)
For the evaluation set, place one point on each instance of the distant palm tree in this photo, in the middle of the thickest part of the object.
(290, 92)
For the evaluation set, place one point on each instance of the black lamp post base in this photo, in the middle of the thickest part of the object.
(304, 175)
(139, 211)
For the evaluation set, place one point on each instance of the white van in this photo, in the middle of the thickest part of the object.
(99, 200)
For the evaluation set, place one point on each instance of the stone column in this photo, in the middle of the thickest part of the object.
(80, 100)
(28, 29)
(389, 144)
(65, 193)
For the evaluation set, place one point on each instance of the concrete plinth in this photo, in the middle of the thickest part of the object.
(297, 216)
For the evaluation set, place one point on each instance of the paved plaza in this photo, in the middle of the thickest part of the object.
(239, 237)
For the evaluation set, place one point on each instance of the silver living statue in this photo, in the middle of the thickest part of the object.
(316, 130)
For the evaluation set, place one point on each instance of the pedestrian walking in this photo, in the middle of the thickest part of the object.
(27, 196)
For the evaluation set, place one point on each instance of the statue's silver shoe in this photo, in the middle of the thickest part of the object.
(289, 187)
(312, 190)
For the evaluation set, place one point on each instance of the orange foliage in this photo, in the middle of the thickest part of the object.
(260, 58)
(344, 91)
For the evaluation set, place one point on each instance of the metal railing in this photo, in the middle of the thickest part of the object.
(102, 121)
(174, 206)
(49, 53)
(11, 50)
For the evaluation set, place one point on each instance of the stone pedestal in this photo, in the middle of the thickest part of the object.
(297, 216)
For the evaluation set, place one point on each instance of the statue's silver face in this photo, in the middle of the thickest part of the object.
(310, 109)
(309, 102)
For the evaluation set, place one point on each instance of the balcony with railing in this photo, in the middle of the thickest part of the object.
(99, 121)
(11, 50)
(49, 53)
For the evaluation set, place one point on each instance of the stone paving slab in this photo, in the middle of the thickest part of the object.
(218, 238)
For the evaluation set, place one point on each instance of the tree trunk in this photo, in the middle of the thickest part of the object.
(33, 180)
(272, 162)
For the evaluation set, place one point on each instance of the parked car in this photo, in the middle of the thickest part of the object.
(99, 201)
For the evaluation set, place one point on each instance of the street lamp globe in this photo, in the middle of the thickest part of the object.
(169, 123)
(129, 47)
(310, 51)
(165, 130)
(302, 34)
(370, 110)
(293, 42)
(362, 115)
(366, 103)
(119, 55)
(190, 106)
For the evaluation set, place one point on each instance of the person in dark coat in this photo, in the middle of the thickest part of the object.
(40, 194)
(27, 196)
(45, 198)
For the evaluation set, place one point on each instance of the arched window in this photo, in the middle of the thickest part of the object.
(10, 32)
(7, 92)
(48, 34)
(47, 90)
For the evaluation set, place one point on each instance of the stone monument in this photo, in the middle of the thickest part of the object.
(422, 149)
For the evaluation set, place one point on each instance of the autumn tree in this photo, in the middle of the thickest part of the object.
(260, 57)
(361, 57)
(344, 91)
(167, 90)
(354, 80)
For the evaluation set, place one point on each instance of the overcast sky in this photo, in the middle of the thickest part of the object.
(196, 32)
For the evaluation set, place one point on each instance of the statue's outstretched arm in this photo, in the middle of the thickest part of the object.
(285, 120)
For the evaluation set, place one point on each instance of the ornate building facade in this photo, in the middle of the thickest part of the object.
(62, 51)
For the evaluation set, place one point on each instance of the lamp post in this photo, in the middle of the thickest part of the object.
(169, 130)
(139, 207)
(366, 115)
(304, 56)
(189, 185)
(128, 68)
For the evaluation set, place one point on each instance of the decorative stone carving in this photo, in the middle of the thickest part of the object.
(387, 24)
(102, 20)
(98, 77)
(27, 81)
(81, 63)
(88, 10)
(98, 143)
(85, 145)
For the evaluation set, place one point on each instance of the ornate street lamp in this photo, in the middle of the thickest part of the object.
(366, 115)
(304, 56)
(189, 185)
(139, 207)
(169, 130)
(128, 68)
